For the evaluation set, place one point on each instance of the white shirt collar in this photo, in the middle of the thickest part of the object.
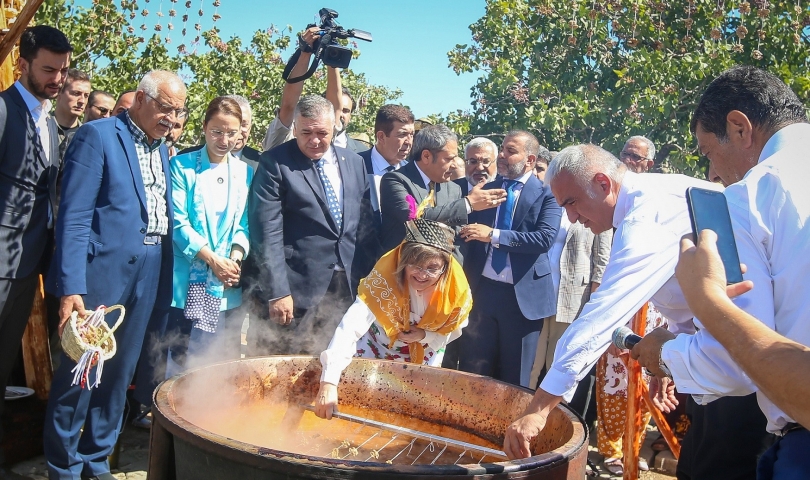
(793, 134)
(31, 101)
(424, 177)
(238, 153)
(330, 156)
(522, 179)
(341, 140)
(379, 163)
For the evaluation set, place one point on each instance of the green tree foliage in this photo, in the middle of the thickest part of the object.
(108, 47)
(600, 71)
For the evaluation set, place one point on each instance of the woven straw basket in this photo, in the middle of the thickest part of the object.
(75, 346)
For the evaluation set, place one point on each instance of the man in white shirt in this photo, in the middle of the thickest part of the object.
(755, 133)
(649, 214)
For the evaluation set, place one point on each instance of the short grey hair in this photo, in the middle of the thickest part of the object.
(315, 106)
(244, 105)
(647, 142)
(150, 82)
(583, 162)
(481, 143)
(433, 138)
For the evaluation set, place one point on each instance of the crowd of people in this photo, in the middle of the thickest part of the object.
(509, 261)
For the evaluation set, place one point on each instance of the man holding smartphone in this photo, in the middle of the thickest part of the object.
(755, 133)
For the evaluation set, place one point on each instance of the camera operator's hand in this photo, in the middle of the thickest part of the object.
(310, 35)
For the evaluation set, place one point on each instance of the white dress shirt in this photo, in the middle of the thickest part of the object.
(40, 111)
(650, 218)
(379, 167)
(332, 171)
(506, 274)
(770, 213)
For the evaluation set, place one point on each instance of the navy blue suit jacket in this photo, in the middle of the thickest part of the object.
(28, 184)
(534, 226)
(102, 217)
(294, 239)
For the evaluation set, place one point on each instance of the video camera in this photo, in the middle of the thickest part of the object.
(327, 49)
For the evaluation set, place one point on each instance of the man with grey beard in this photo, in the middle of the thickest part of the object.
(508, 268)
(479, 161)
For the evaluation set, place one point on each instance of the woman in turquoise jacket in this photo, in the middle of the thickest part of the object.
(210, 193)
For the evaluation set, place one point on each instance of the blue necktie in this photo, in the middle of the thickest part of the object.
(331, 196)
(504, 223)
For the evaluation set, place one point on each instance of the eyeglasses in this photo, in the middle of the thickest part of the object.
(101, 110)
(633, 157)
(475, 162)
(219, 134)
(179, 113)
(430, 272)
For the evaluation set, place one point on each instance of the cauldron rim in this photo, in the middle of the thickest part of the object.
(249, 453)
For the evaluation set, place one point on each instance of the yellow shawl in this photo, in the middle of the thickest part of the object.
(449, 305)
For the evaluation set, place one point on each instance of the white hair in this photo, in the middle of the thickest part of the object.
(244, 105)
(481, 142)
(647, 142)
(314, 106)
(583, 162)
(153, 80)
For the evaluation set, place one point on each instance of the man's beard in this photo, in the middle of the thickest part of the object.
(38, 90)
(516, 170)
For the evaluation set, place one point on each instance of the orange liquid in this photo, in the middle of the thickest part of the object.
(302, 432)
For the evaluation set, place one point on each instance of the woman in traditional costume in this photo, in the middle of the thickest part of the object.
(414, 302)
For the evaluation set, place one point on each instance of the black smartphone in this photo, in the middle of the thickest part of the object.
(708, 209)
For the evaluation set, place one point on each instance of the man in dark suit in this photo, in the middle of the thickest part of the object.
(29, 167)
(432, 159)
(114, 246)
(480, 167)
(508, 268)
(393, 133)
(305, 209)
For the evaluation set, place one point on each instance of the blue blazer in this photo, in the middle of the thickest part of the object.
(194, 223)
(295, 240)
(102, 217)
(534, 226)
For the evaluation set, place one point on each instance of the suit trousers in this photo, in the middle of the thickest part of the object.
(546, 344)
(69, 450)
(311, 329)
(724, 440)
(16, 300)
(499, 342)
(787, 459)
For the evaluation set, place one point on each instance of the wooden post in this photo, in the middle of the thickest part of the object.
(632, 436)
(36, 349)
(660, 420)
(16, 30)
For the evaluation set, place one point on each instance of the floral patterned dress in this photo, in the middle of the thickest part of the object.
(360, 335)
(611, 396)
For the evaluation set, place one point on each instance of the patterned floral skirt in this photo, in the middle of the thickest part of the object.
(374, 344)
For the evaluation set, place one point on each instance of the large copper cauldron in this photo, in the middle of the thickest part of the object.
(445, 399)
